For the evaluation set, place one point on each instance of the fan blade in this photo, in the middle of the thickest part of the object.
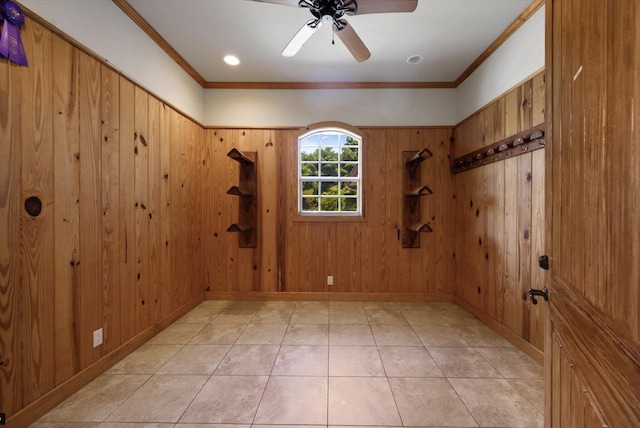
(282, 2)
(383, 6)
(354, 43)
(301, 37)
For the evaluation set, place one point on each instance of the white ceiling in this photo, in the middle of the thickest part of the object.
(449, 34)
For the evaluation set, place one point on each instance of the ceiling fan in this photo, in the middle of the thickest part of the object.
(332, 12)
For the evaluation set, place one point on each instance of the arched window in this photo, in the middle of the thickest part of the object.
(330, 173)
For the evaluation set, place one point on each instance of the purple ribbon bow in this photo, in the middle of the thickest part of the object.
(10, 42)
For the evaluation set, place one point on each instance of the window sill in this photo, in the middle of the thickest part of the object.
(322, 218)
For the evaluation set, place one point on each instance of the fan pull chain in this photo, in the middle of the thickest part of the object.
(333, 35)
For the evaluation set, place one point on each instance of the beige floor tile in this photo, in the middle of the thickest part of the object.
(273, 315)
(163, 398)
(215, 304)
(227, 400)
(423, 317)
(481, 336)
(408, 361)
(381, 305)
(308, 393)
(532, 390)
(176, 334)
(301, 361)
(347, 316)
(279, 304)
(361, 401)
(181, 425)
(306, 334)
(373, 364)
(512, 363)
(496, 403)
(429, 402)
(248, 360)
(385, 317)
(218, 334)
(357, 334)
(249, 305)
(199, 315)
(395, 335)
(285, 426)
(97, 400)
(439, 335)
(66, 425)
(195, 359)
(310, 314)
(346, 306)
(134, 425)
(235, 316)
(147, 359)
(355, 361)
(458, 316)
(262, 334)
(462, 362)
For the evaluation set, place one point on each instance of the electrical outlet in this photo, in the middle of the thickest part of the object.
(330, 280)
(97, 338)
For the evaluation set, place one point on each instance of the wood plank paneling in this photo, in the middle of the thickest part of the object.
(502, 205)
(67, 136)
(110, 119)
(10, 275)
(66, 210)
(297, 255)
(36, 324)
(141, 195)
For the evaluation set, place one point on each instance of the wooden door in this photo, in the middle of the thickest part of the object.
(592, 357)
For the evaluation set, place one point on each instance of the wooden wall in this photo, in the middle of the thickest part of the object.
(297, 256)
(499, 217)
(116, 244)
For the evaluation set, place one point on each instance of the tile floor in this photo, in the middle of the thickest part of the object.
(267, 364)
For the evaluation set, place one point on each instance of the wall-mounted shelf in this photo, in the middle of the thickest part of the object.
(246, 189)
(412, 190)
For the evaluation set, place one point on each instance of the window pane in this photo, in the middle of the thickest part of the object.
(349, 188)
(309, 152)
(329, 188)
(309, 204)
(309, 188)
(329, 170)
(330, 154)
(349, 204)
(349, 154)
(348, 170)
(329, 204)
(309, 170)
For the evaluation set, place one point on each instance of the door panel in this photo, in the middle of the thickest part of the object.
(592, 339)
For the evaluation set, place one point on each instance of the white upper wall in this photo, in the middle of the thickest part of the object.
(357, 107)
(519, 57)
(103, 28)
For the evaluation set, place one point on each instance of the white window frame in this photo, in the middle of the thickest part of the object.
(301, 179)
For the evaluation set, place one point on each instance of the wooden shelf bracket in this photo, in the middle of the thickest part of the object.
(246, 190)
(412, 190)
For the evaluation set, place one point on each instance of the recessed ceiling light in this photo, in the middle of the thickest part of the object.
(415, 59)
(231, 60)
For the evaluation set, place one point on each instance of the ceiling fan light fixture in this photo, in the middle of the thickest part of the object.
(415, 59)
(231, 60)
